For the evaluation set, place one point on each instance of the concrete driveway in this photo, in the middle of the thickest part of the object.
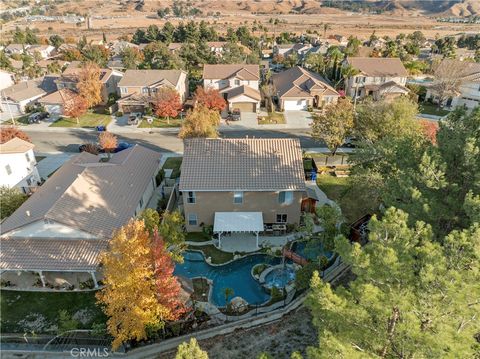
(298, 119)
(248, 120)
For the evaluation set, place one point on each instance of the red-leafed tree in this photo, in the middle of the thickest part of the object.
(210, 98)
(7, 133)
(168, 288)
(167, 103)
(74, 105)
(430, 129)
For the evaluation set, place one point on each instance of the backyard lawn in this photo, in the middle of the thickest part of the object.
(161, 123)
(352, 203)
(431, 109)
(197, 237)
(88, 120)
(218, 257)
(23, 312)
(173, 163)
(272, 118)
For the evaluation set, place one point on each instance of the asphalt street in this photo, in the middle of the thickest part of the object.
(70, 139)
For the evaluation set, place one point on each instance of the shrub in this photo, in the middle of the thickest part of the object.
(277, 294)
(119, 113)
(160, 176)
(66, 322)
(304, 274)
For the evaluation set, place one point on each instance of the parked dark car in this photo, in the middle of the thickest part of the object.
(120, 147)
(234, 115)
(101, 128)
(37, 117)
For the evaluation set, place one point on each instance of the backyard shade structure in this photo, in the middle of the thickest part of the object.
(237, 222)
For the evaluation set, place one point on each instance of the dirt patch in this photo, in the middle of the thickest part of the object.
(295, 332)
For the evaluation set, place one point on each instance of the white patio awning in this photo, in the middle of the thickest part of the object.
(238, 222)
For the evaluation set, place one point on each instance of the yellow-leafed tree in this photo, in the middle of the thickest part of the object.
(89, 85)
(130, 295)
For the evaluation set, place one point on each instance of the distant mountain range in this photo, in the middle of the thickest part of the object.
(456, 8)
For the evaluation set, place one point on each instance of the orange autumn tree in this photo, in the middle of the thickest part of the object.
(7, 133)
(131, 296)
(74, 105)
(168, 288)
(430, 129)
(210, 98)
(167, 103)
(107, 141)
(89, 85)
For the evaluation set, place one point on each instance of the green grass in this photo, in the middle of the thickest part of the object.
(17, 305)
(431, 109)
(354, 205)
(88, 120)
(272, 118)
(218, 257)
(173, 163)
(197, 237)
(161, 123)
(20, 121)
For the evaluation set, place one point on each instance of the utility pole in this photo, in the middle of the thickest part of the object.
(9, 109)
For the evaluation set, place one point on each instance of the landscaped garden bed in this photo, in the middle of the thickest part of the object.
(88, 120)
(217, 256)
(431, 109)
(197, 237)
(272, 118)
(201, 288)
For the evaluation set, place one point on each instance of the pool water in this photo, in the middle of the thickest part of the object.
(311, 252)
(236, 275)
(280, 277)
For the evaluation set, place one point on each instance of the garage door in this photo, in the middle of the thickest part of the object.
(10, 108)
(295, 105)
(245, 106)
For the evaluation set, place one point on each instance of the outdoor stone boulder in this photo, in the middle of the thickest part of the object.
(239, 304)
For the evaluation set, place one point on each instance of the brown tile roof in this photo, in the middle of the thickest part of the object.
(72, 72)
(470, 71)
(88, 195)
(223, 71)
(135, 78)
(242, 164)
(50, 254)
(16, 145)
(243, 90)
(299, 82)
(57, 97)
(29, 89)
(378, 66)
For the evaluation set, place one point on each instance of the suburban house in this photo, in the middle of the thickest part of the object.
(377, 77)
(15, 98)
(238, 83)
(63, 227)
(16, 48)
(287, 49)
(7, 79)
(138, 88)
(298, 89)
(108, 77)
(468, 93)
(18, 165)
(55, 102)
(242, 185)
(44, 51)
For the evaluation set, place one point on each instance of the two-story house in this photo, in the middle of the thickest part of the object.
(109, 79)
(468, 93)
(138, 88)
(298, 89)
(67, 222)
(242, 185)
(238, 83)
(377, 77)
(18, 165)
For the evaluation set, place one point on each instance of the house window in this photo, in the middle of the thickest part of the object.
(238, 197)
(27, 157)
(123, 89)
(285, 197)
(281, 218)
(8, 169)
(191, 197)
(192, 219)
(359, 79)
(237, 82)
(145, 89)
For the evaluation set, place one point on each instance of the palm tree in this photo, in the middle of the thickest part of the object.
(228, 293)
(347, 72)
(325, 28)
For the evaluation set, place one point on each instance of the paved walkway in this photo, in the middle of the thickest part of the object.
(51, 162)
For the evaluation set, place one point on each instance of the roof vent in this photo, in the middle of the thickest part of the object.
(27, 213)
(58, 188)
(131, 184)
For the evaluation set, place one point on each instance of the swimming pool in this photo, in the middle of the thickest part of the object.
(310, 252)
(236, 275)
(280, 277)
